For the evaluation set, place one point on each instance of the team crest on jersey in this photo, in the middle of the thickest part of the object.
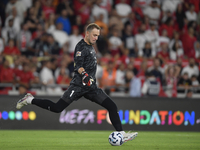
(78, 53)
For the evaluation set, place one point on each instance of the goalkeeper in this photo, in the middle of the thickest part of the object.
(83, 83)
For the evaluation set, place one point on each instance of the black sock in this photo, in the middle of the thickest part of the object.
(114, 116)
(49, 105)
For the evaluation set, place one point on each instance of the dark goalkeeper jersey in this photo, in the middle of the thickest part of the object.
(84, 56)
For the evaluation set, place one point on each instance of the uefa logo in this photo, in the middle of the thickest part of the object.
(18, 115)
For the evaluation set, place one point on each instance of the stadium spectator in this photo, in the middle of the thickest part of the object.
(184, 85)
(151, 86)
(50, 25)
(107, 5)
(104, 26)
(138, 11)
(140, 37)
(191, 68)
(6, 74)
(197, 49)
(47, 77)
(191, 15)
(39, 31)
(67, 5)
(175, 47)
(78, 22)
(24, 40)
(17, 65)
(131, 20)
(39, 45)
(188, 40)
(65, 21)
(180, 17)
(83, 8)
(97, 10)
(142, 70)
(120, 77)
(108, 80)
(115, 22)
(63, 64)
(115, 43)
(134, 84)
(171, 78)
(168, 26)
(170, 5)
(24, 78)
(102, 42)
(195, 82)
(69, 62)
(163, 54)
(59, 35)
(63, 77)
(123, 10)
(74, 38)
(20, 7)
(36, 78)
(166, 15)
(31, 20)
(38, 9)
(9, 32)
(152, 36)
(16, 20)
(157, 70)
(153, 11)
(47, 8)
(52, 46)
(128, 39)
(162, 39)
(147, 51)
(11, 49)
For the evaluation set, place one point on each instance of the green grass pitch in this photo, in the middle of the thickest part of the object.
(95, 140)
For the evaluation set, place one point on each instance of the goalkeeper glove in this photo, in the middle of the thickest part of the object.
(86, 79)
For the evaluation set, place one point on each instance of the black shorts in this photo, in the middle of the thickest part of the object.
(74, 92)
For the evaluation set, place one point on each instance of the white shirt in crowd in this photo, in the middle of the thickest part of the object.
(97, 11)
(60, 36)
(120, 77)
(73, 40)
(19, 5)
(115, 41)
(16, 22)
(140, 40)
(191, 16)
(191, 71)
(173, 54)
(152, 13)
(99, 73)
(46, 75)
(1, 45)
(130, 42)
(123, 10)
(162, 39)
(152, 36)
(170, 5)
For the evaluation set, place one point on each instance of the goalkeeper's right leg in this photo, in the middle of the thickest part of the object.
(43, 103)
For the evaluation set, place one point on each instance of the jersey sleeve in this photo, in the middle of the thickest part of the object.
(79, 58)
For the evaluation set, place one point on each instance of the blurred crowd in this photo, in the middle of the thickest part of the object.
(146, 47)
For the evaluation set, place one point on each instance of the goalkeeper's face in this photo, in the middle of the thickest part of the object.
(92, 36)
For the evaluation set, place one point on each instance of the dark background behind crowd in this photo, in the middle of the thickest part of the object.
(143, 44)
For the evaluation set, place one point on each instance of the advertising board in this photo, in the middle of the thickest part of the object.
(150, 114)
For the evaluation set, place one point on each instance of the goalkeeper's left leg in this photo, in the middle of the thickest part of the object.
(113, 113)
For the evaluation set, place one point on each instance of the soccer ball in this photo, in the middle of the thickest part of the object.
(116, 138)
